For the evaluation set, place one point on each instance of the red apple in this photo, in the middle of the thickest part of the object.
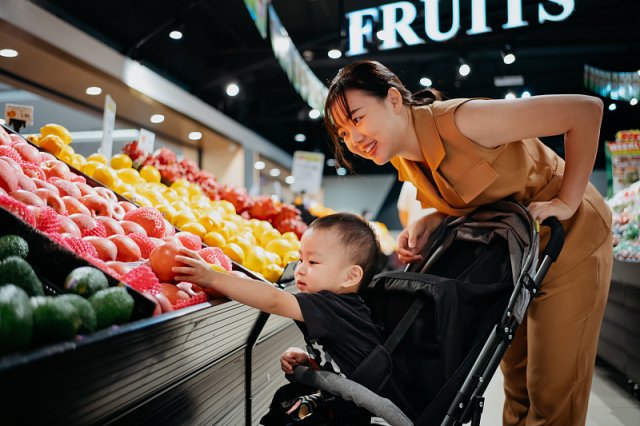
(130, 227)
(75, 206)
(128, 250)
(27, 151)
(112, 226)
(29, 198)
(107, 249)
(68, 226)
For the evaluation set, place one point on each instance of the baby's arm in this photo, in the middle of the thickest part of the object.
(257, 294)
(291, 358)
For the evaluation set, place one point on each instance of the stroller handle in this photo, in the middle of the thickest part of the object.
(556, 239)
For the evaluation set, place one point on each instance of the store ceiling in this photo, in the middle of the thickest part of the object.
(221, 44)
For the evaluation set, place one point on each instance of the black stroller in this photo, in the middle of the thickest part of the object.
(449, 320)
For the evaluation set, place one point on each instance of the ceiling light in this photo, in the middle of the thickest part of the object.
(508, 57)
(195, 136)
(8, 53)
(334, 54)
(612, 106)
(233, 89)
(307, 55)
(341, 171)
(290, 180)
(314, 114)
(464, 69)
(510, 95)
(331, 162)
(633, 101)
(259, 165)
(300, 137)
(274, 172)
(525, 94)
(175, 34)
(426, 82)
(157, 118)
(93, 91)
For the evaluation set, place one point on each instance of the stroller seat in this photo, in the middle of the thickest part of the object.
(447, 320)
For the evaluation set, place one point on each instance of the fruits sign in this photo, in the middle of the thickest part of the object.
(307, 171)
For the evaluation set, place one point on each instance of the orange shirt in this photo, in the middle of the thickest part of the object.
(458, 175)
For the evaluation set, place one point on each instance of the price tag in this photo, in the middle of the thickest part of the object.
(307, 171)
(108, 124)
(146, 140)
(18, 116)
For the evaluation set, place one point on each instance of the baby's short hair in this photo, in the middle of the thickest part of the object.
(358, 237)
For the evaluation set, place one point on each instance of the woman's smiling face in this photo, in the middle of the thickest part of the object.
(373, 130)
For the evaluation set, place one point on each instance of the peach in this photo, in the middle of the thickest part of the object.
(112, 226)
(130, 227)
(128, 250)
(28, 198)
(107, 249)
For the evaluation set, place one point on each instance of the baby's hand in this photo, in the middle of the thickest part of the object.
(291, 358)
(194, 269)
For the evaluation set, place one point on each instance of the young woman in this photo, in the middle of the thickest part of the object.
(463, 153)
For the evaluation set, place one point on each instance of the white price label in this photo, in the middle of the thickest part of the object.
(108, 124)
(307, 170)
(22, 113)
(146, 140)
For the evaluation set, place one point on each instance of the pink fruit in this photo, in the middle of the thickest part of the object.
(88, 225)
(150, 219)
(127, 206)
(52, 199)
(97, 205)
(68, 226)
(27, 152)
(25, 182)
(106, 193)
(189, 240)
(75, 206)
(29, 198)
(66, 188)
(44, 184)
(130, 227)
(8, 179)
(56, 168)
(128, 250)
(121, 268)
(112, 226)
(107, 249)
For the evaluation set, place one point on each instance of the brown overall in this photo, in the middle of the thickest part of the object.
(549, 366)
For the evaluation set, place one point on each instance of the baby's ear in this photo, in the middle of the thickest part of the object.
(354, 276)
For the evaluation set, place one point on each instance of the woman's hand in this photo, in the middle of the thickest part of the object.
(540, 210)
(194, 269)
(291, 358)
(415, 236)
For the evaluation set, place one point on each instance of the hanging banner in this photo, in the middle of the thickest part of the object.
(146, 140)
(258, 11)
(622, 86)
(307, 170)
(300, 75)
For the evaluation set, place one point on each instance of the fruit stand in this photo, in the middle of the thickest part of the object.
(181, 355)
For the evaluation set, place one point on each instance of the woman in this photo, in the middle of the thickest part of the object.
(463, 153)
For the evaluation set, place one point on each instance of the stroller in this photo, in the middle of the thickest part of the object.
(447, 321)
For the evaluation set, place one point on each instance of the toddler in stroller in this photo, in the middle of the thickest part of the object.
(447, 321)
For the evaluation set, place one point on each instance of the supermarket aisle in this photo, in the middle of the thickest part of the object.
(609, 405)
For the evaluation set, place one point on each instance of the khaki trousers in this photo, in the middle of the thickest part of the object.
(549, 366)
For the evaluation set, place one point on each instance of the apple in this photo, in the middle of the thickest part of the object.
(27, 151)
(128, 250)
(68, 226)
(107, 249)
(28, 198)
(131, 227)
(52, 199)
(44, 184)
(74, 205)
(66, 188)
(112, 226)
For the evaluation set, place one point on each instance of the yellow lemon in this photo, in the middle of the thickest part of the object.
(130, 176)
(56, 130)
(184, 216)
(242, 242)
(235, 252)
(225, 205)
(194, 228)
(214, 239)
(273, 257)
(121, 161)
(171, 195)
(291, 236)
(90, 167)
(120, 187)
(150, 174)
(52, 144)
(66, 154)
(267, 236)
(167, 211)
(210, 220)
(289, 257)
(272, 272)
(100, 158)
(256, 259)
(34, 139)
(232, 227)
(280, 246)
(105, 175)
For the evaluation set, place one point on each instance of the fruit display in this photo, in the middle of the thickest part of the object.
(283, 217)
(118, 235)
(625, 205)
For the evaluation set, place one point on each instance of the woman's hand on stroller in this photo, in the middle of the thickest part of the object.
(412, 239)
(540, 210)
(291, 358)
